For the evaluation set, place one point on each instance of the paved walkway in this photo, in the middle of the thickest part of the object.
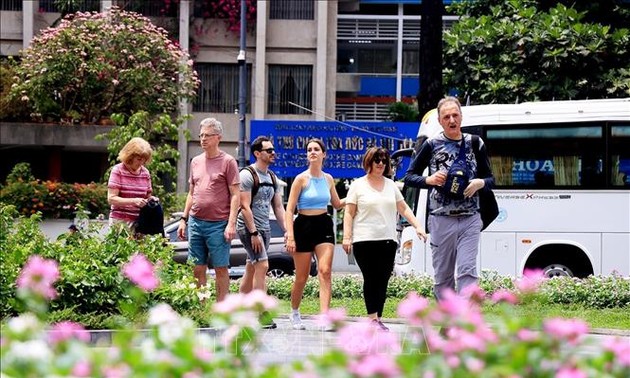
(284, 344)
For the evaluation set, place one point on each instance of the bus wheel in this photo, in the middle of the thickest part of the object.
(557, 270)
(560, 260)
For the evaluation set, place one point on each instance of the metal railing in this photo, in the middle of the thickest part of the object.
(352, 27)
(362, 111)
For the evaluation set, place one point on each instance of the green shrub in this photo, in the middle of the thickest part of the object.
(11, 108)
(91, 282)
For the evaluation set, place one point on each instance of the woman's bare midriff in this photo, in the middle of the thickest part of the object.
(312, 212)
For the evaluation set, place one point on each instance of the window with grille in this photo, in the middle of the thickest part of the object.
(77, 6)
(291, 9)
(152, 8)
(218, 92)
(11, 5)
(290, 85)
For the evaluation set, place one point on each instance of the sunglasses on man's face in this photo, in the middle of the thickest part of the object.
(269, 150)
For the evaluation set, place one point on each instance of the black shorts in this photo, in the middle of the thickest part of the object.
(311, 230)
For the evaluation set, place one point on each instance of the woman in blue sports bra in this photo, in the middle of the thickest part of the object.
(312, 231)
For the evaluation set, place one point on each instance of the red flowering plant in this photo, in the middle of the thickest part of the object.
(50, 198)
(227, 10)
(95, 64)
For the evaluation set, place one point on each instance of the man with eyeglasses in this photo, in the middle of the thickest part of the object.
(211, 208)
(253, 226)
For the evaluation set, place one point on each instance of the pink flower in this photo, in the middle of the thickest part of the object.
(570, 372)
(458, 308)
(118, 371)
(412, 308)
(140, 271)
(229, 304)
(527, 335)
(334, 316)
(66, 330)
(568, 329)
(362, 338)
(504, 295)
(203, 354)
(375, 365)
(257, 298)
(530, 281)
(81, 369)
(38, 276)
(474, 365)
(620, 348)
(474, 293)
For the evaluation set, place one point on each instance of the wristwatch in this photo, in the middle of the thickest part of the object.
(255, 233)
(185, 219)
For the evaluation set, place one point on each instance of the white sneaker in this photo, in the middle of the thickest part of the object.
(296, 320)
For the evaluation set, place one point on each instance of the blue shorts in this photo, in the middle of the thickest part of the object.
(206, 239)
(246, 240)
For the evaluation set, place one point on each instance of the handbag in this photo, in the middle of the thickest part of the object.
(488, 206)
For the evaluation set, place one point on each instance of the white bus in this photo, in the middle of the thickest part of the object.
(562, 182)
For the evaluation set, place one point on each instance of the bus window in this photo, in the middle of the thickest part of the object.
(543, 157)
(620, 156)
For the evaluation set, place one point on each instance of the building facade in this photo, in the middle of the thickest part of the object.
(306, 59)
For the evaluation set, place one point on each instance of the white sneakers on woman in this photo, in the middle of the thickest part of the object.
(296, 321)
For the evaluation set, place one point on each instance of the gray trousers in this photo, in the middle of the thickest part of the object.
(454, 242)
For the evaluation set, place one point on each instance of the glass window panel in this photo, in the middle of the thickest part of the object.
(291, 9)
(546, 158)
(620, 156)
(218, 92)
(288, 85)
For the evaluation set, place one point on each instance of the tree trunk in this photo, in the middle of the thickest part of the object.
(430, 55)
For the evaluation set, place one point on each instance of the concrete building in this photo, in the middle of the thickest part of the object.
(343, 59)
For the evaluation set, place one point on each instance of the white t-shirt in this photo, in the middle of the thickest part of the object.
(375, 218)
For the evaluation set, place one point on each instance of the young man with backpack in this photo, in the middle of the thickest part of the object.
(259, 190)
(459, 170)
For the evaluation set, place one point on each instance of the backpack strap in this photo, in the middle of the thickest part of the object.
(273, 179)
(475, 144)
(256, 185)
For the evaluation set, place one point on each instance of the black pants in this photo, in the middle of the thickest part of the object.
(376, 261)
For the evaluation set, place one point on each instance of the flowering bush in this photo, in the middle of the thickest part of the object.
(510, 347)
(55, 199)
(95, 64)
(228, 10)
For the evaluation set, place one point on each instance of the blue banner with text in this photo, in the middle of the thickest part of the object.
(345, 143)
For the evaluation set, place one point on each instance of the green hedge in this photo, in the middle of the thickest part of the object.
(92, 284)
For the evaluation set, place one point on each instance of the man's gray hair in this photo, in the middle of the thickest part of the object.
(212, 123)
(449, 99)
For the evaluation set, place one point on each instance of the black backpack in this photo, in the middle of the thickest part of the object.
(257, 183)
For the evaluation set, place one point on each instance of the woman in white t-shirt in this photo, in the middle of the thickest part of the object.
(369, 228)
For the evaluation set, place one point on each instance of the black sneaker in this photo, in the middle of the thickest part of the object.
(266, 321)
(271, 325)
